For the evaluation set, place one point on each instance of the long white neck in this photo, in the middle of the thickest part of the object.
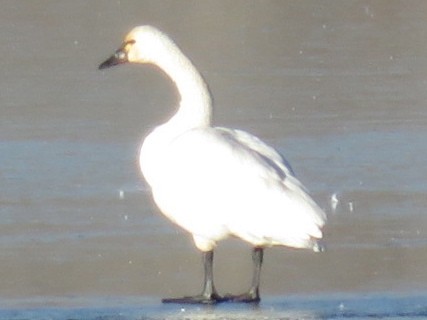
(195, 108)
(194, 111)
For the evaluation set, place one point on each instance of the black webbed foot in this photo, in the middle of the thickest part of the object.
(248, 297)
(199, 299)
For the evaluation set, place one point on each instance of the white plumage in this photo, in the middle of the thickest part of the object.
(216, 182)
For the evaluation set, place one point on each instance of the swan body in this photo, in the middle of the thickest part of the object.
(216, 182)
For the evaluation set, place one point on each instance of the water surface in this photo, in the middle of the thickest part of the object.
(338, 87)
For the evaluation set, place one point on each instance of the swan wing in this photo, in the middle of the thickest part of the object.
(257, 145)
(217, 182)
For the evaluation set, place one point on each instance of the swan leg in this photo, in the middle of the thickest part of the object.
(209, 294)
(252, 295)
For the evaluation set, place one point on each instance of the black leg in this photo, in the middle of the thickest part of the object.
(253, 294)
(209, 294)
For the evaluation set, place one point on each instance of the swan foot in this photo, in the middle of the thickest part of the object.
(199, 299)
(248, 297)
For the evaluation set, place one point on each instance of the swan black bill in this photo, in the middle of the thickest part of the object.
(117, 58)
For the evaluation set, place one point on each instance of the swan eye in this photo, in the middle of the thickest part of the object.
(120, 54)
(126, 46)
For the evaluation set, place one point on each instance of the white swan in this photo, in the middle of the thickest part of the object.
(217, 182)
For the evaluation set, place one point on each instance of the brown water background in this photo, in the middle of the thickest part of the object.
(339, 87)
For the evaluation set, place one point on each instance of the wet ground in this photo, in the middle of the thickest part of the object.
(307, 307)
(337, 87)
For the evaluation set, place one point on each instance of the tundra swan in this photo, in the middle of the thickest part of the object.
(216, 182)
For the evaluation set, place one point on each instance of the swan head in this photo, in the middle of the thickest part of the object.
(143, 44)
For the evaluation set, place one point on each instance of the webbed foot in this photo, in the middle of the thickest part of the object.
(248, 297)
(199, 299)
